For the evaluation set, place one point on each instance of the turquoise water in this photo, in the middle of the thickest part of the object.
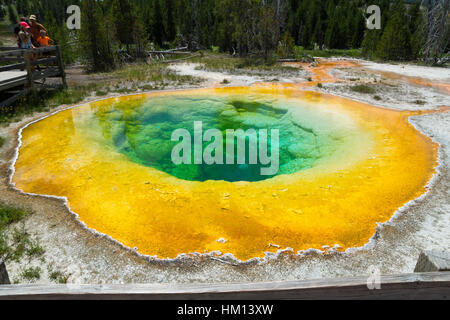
(142, 131)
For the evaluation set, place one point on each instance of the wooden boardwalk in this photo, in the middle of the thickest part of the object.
(7, 76)
(21, 74)
(12, 79)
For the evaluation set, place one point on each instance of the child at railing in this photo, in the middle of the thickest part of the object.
(44, 40)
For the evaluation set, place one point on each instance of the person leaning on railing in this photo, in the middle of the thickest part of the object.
(40, 37)
(35, 29)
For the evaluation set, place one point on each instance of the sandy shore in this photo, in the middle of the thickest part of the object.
(421, 225)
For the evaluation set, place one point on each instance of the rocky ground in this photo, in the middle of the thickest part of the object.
(387, 91)
(238, 77)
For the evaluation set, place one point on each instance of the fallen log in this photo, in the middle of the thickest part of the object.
(170, 51)
(176, 60)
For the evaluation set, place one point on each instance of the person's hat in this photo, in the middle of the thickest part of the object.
(33, 17)
(25, 25)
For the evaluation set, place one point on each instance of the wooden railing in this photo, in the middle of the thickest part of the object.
(21, 70)
(435, 285)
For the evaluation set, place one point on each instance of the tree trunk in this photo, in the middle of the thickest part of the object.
(436, 43)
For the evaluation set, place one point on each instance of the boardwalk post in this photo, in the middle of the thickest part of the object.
(4, 279)
(29, 70)
(61, 66)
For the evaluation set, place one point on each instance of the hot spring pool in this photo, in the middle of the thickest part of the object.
(343, 166)
(142, 131)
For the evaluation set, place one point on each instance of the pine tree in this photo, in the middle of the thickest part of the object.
(331, 35)
(370, 43)
(125, 20)
(358, 27)
(224, 27)
(206, 20)
(146, 18)
(95, 43)
(415, 21)
(395, 43)
(286, 46)
(2, 11)
(344, 18)
(268, 31)
(309, 20)
(170, 24)
(12, 15)
(157, 28)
